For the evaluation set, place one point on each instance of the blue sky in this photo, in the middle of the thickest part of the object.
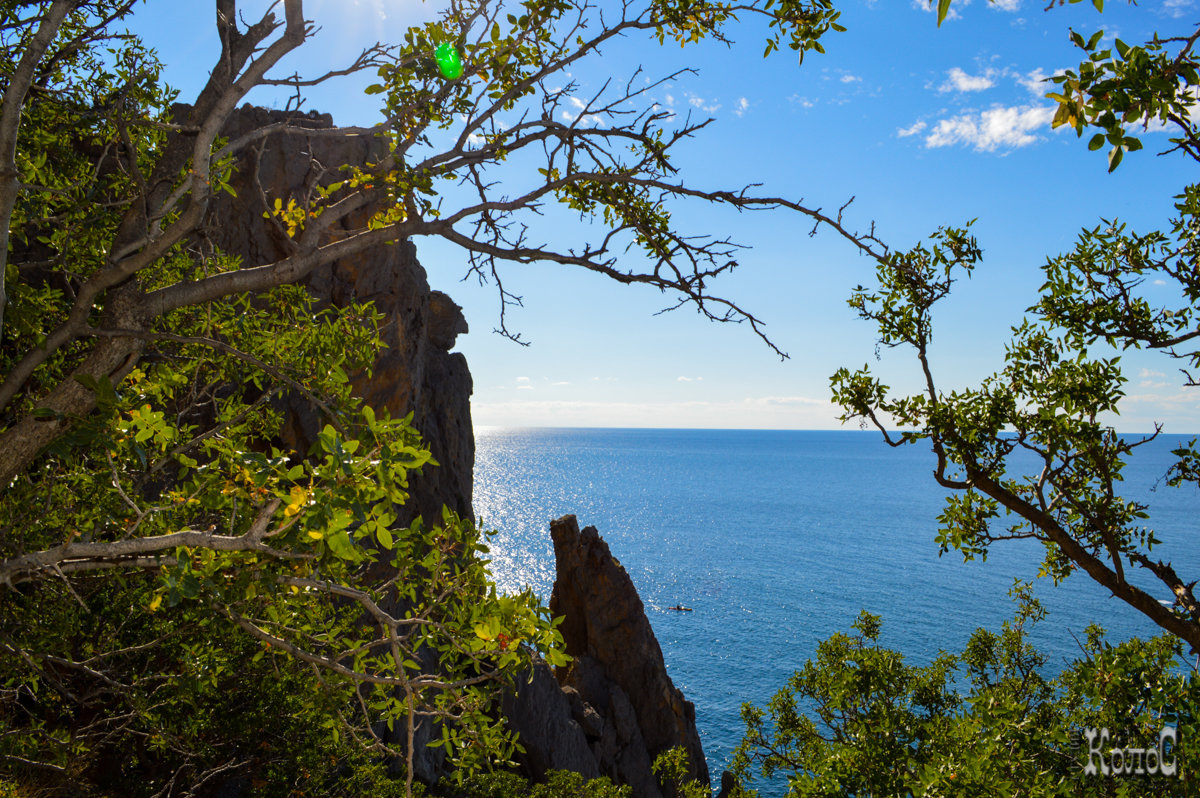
(922, 126)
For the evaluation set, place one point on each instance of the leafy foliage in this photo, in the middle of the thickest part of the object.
(188, 444)
(988, 721)
(177, 575)
(558, 784)
(859, 720)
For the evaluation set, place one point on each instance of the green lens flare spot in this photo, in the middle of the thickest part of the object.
(448, 61)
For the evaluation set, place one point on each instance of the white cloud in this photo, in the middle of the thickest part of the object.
(912, 130)
(961, 81)
(1141, 410)
(848, 78)
(708, 107)
(765, 412)
(1145, 373)
(929, 6)
(1006, 5)
(1177, 8)
(522, 379)
(591, 119)
(1034, 82)
(524, 387)
(742, 105)
(689, 379)
(803, 102)
(995, 128)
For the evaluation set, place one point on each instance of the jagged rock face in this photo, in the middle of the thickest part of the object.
(617, 684)
(614, 708)
(416, 372)
(542, 713)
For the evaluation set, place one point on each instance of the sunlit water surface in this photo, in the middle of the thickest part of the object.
(778, 539)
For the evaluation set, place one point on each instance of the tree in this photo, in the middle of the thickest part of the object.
(859, 720)
(158, 542)
(1051, 397)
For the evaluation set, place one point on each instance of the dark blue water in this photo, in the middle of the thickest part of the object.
(777, 540)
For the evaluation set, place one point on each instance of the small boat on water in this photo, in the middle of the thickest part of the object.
(680, 608)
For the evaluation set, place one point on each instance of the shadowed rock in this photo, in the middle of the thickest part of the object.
(416, 372)
(614, 708)
(617, 682)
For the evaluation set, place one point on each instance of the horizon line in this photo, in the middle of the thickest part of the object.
(518, 427)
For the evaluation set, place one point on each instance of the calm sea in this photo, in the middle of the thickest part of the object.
(777, 540)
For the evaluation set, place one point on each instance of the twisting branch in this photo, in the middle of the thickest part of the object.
(140, 552)
(19, 84)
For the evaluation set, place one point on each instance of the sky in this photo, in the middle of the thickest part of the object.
(922, 126)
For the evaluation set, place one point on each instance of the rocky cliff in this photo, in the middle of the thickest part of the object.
(416, 372)
(614, 709)
(617, 708)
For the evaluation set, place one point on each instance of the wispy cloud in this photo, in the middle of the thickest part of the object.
(996, 128)
(1177, 8)
(761, 412)
(1158, 401)
(707, 106)
(998, 5)
(929, 5)
(742, 106)
(1035, 82)
(911, 130)
(958, 80)
(579, 106)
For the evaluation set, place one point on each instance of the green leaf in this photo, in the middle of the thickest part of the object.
(385, 537)
(342, 547)
(1097, 142)
(943, 10)
(1114, 157)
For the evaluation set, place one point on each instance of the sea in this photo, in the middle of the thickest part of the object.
(778, 539)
